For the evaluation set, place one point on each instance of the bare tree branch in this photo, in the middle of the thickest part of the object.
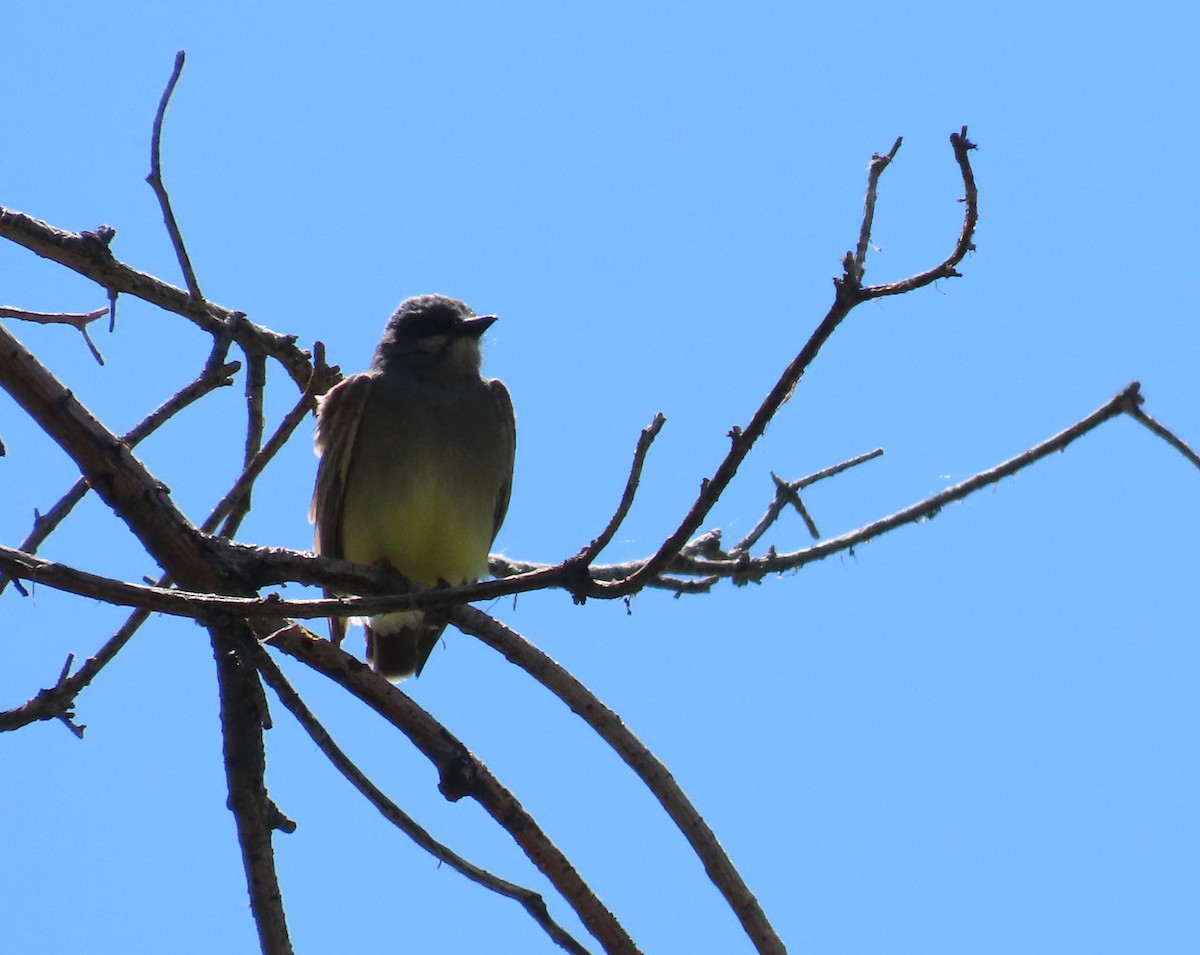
(309, 569)
(227, 509)
(857, 265)
(756, 568)
(656, 777)
(533, 903)
(243, 719)
(256, 382)
(88, 253)
(216, 374)
(850, 292)
(462, 774)
(79, 321)
(966, 239)
(787, 492)
(583, 560)
(145, 506)
(1165, 433)
(160, 190)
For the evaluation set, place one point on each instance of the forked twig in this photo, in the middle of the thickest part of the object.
(584, 558)
(786, 492)
(758, 567)
(77, 320)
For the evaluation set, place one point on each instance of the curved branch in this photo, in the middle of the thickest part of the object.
(638, 757)
(160, 190)
(462, 774)
(966, 238)
(531, 901)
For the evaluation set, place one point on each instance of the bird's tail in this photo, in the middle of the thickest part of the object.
(399, 649)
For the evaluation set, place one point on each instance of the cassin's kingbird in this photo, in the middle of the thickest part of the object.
(416, 467)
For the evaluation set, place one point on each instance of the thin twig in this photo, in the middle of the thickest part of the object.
(1165, 433)
(585, 557)
(783, 490)
(77, 320)
(878, 165)
(238, 505)
(74, 319)
(160, 190)
(759, 567)
(233, 507)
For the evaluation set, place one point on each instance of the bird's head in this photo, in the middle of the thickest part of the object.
(433, 333)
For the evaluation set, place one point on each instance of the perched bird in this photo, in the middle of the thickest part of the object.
(416, 467)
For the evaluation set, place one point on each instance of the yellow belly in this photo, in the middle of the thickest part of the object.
(433, 525)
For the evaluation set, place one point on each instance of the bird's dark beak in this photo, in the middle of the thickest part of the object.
(475, 327)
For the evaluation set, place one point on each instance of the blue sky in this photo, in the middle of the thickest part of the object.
(977, 734)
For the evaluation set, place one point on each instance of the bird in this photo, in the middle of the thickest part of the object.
(416, 468)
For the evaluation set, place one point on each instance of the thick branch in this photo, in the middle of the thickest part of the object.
(145, 506)
(243, 719)
(88, 254)
(216, 374)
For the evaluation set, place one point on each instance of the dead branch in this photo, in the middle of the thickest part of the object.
(277, 565)
(88, 253)
(649, 769)
(154, 178)
(76, 320)
(461, 773)
(217, 373)
(531, 901)
(850, 292)
(145, 506)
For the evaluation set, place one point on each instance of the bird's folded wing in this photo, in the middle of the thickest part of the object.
(338, 415)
